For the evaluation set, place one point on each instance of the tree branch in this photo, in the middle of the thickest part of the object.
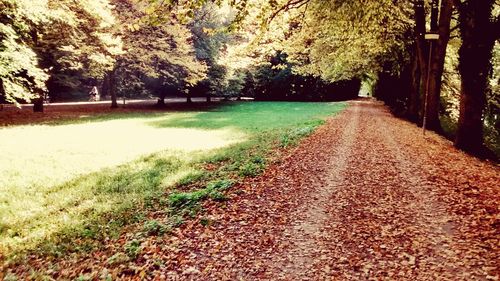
(291, 4)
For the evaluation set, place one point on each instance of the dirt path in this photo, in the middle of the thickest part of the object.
(366, 197)
(307, 230)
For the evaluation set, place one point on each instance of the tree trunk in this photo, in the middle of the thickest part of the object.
(38, 101)
(189, 100)
(38, 104)
(161, 100)
(414, 98)
(437, 66)
(209, 98)
(112, 88)
(421, 52)
(474, 66)
(434, 15)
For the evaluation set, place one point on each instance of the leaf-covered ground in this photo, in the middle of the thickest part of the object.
(365, 197)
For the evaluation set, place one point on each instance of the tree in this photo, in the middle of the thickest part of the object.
(478, 31)
(210, 38)
(21, 77)
(235, 84)
(436, 67)
(354, 38)
(80, 47)
(421, 53)
(351, 39)
(56, 41)
(160, 58)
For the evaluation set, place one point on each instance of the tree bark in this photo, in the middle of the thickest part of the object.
(414, 98)
(474, 66)
(112, 88)
(38, 101)
(38, 104)
(434, 15)
(161, 100)
(437, 66)
(209, 98)
(422, 53)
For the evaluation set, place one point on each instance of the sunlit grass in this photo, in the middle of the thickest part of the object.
(48, 155)
(62, 177)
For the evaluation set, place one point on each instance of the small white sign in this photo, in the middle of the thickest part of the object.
(431, 36)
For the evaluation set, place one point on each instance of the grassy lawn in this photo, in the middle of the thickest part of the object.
(87, 179)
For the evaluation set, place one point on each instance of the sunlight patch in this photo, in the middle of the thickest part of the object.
(32, 154)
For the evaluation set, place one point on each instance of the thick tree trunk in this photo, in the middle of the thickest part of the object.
(38, 104)
(474, 66)
(209, 98)
(161, 100)
(437, 66)
(414, 98)
(114, 102)
(434, 15)
(112, 88)
(189, 100)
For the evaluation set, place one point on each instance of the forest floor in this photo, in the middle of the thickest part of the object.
(365, 197)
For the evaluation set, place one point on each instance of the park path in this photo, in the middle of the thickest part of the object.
(365, 197)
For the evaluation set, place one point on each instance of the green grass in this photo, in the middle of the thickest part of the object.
(88, 180)
(251, 117)
(212, 190)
